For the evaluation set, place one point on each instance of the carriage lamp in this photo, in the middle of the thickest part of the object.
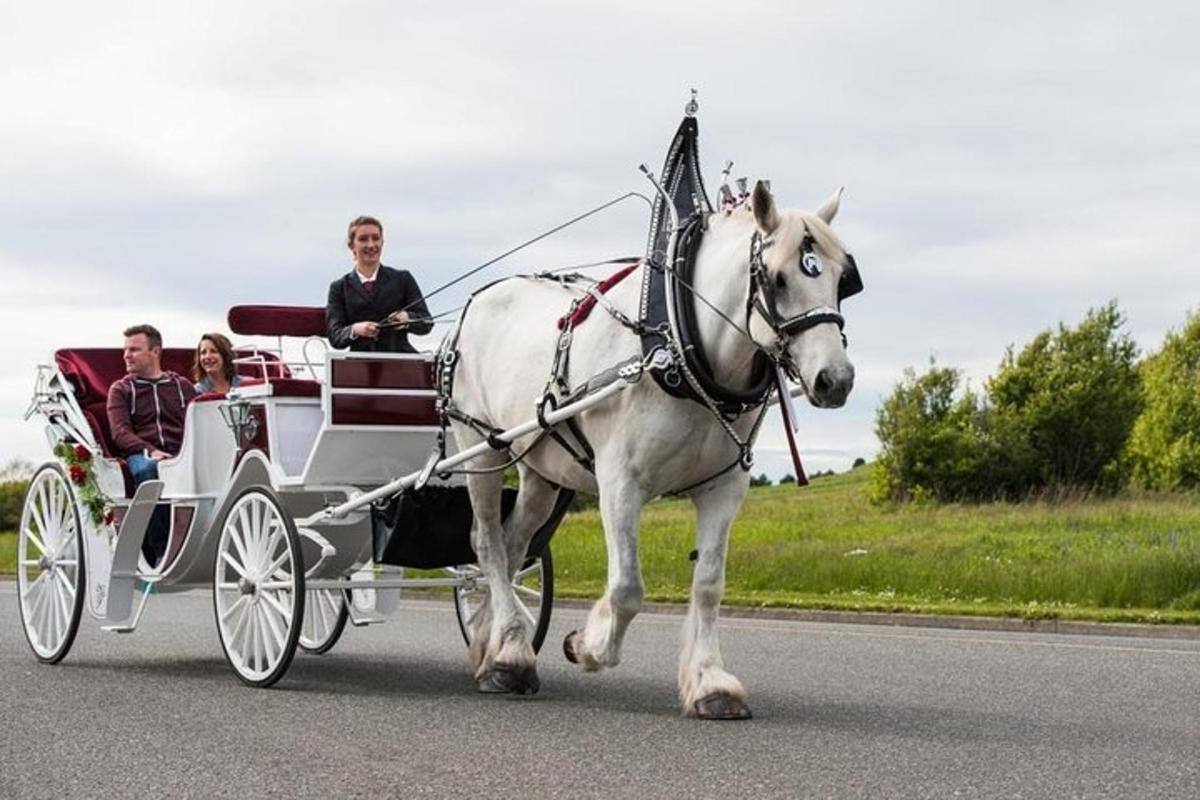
(236, 413)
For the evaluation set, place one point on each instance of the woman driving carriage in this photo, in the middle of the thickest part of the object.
(374, 307)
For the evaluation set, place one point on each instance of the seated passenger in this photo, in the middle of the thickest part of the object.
(145, 413)
(373, 307)
(213, 368)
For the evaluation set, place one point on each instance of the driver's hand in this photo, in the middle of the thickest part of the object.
(365, 330)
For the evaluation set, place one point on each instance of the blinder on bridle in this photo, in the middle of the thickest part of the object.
(762, 295)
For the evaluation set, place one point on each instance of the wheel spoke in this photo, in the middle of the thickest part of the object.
(244, 526)
(276, 636)
(52, 601)
(33, 585)
(532, 569)
(67, 582)
(272, 601)
(228, 559)
(264, 635)
(528, 614)
(61, 594)
(37, 608)
(41, 508)
(525, 591)
(56, 506)
(235, 536)
(33, 538)
(276, 564)
(255, 638)
(236, 642)
(227, 613)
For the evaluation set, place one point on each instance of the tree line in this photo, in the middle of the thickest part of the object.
(1077, 409)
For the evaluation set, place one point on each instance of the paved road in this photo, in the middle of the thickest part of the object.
(841, 711)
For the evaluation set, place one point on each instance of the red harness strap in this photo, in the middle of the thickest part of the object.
(585, 306)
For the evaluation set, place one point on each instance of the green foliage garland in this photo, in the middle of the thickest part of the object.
(78, 461)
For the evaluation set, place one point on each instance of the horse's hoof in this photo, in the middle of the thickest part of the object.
(569, 647)
(721, 705)
(509, 681)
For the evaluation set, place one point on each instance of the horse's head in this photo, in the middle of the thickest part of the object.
(801, 273)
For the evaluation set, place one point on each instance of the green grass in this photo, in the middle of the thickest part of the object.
(824, 546)
(8, 553)
(1130, 558)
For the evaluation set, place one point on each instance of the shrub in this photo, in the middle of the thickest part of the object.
(12, 497)
(929, 431)
(1164, 447)
(1056, 415)
(1072, 396)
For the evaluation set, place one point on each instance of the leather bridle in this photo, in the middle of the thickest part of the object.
(761, 296)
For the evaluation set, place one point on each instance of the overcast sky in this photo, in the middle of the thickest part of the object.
(1007, 166)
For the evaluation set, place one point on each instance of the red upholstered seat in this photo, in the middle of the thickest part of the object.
(92, 370)
(277, 320)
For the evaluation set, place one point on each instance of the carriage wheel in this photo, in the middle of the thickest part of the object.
(50, 574)
(258, 587)
(534, 585)
(325, 615)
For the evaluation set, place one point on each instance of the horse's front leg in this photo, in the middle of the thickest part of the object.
(599, 643)
(705, 688)
(500, 649)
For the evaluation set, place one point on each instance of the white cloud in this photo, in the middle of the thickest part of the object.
(1007, 167)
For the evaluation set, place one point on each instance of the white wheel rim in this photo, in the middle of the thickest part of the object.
(255, 586)
(321, 610)
(48, 563)
(473, 591)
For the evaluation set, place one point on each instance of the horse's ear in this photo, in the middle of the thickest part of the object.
(764, 207)
(829, 208)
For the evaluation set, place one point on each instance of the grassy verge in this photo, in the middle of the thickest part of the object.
(1130, 558)
(8, 553)
(1127, 558)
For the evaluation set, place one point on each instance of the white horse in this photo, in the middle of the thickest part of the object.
(646, 442)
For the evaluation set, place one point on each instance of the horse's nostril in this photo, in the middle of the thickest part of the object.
(823, 385)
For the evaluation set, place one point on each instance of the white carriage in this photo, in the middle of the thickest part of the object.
(284, 498)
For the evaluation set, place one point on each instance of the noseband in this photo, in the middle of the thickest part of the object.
(762, 295)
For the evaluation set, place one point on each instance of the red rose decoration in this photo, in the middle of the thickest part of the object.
(109, 516)
(82, 453)
(78, 473)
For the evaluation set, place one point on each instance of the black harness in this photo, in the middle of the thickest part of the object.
(662, 287)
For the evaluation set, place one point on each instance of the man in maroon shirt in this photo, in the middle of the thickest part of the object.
(146, 410)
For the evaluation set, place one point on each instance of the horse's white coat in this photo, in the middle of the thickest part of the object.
(646, 442)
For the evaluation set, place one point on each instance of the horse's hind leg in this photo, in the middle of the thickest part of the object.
(500, 652)
(705, 688)
(599, 643)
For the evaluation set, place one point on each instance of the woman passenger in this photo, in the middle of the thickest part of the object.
(213, 368)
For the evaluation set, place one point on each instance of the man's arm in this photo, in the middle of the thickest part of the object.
(337, 326)
(121, 425)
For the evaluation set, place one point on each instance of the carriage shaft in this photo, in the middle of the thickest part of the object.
(508, 436)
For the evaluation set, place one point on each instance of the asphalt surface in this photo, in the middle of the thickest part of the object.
(840, 711)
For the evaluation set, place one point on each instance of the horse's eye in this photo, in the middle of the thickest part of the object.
(810, 263)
